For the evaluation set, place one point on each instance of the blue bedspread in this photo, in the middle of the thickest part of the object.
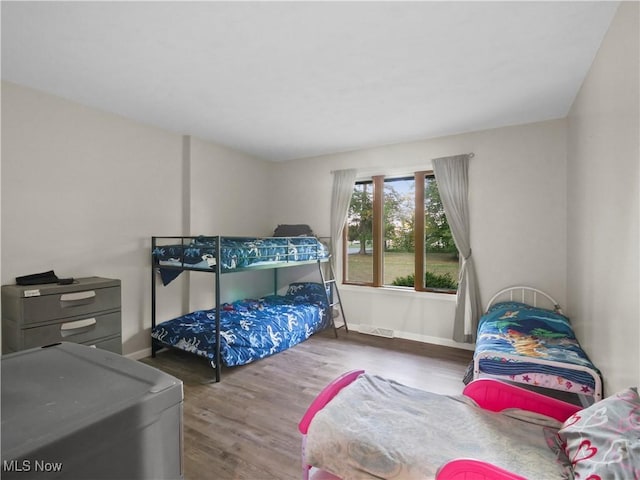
(236, 253)
(249, 329)
(528, 332)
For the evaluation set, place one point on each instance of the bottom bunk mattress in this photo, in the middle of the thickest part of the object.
(533, 345)
(249, 329)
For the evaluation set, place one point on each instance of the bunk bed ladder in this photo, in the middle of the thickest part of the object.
(333, 298)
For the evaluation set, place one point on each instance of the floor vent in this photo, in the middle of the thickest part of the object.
(378, 331)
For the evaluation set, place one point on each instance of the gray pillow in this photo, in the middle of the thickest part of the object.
(293, 231)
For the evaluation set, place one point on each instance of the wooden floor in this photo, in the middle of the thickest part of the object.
(245, 427)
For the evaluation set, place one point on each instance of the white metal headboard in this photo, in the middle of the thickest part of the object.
(528, 295)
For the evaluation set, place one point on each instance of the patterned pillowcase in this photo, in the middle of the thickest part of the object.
(603, 440)
(307, 292)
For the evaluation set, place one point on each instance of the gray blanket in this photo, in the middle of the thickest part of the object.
(378, 428)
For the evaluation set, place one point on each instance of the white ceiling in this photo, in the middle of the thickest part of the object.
(287, 80)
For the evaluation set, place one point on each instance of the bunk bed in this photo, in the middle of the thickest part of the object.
(245, 330)
(524, 337)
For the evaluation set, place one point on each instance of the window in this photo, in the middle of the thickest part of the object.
(397, 235)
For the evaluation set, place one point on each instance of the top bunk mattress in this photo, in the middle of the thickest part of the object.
(236, 253)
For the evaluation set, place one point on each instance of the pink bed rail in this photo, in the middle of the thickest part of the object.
(496, 396)
(469, 469)
(325, 397)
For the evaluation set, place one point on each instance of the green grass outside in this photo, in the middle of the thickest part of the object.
(399, 264)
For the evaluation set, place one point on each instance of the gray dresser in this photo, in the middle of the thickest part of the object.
(86, 311)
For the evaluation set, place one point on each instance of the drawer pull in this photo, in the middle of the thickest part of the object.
(71, 328)
(77, 298)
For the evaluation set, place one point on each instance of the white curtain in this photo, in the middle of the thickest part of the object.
(453, 185)
(343, 182)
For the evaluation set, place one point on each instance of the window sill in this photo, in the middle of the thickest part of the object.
(398, 292)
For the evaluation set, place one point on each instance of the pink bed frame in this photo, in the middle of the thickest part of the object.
(490, 394)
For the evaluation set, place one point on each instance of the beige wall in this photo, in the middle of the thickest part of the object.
(83, 191)
(517, 207)
(603, 289)
(97, 186)
(553, 204)
(230, 195)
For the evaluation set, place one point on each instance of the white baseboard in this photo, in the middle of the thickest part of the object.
(445, 342)
(144, 353)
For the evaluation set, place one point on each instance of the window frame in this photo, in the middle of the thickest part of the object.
(377, 181)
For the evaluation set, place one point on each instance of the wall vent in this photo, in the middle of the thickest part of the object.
(378, 331)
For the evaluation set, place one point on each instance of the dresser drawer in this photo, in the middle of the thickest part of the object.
(70, 304)
(112, 344)
(77, 330)
(85, 311)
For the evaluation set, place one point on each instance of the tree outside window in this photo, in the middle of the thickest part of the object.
(396, 228)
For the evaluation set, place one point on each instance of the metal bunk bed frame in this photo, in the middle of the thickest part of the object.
(328, 280)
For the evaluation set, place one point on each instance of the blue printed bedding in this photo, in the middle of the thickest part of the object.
(249, 329)
(533, 345)
(236, 253)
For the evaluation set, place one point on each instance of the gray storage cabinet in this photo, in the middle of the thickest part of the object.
(74, 412)
(87, 311)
